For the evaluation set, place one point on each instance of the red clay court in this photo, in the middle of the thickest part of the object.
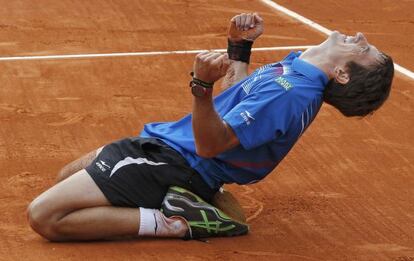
(345, 192)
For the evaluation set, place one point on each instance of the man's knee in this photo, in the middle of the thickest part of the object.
(42, 220)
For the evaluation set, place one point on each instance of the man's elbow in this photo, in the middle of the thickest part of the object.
(205, 152)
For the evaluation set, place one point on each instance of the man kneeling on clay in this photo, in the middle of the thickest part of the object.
(161, 183)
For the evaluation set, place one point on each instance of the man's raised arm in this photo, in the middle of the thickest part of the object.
(211, 134)
(244, 29)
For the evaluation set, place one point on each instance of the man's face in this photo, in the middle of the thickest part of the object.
(343, 49)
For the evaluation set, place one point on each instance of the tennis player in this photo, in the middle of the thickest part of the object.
(161, 182)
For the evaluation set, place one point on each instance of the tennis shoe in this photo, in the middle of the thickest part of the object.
(203, 219)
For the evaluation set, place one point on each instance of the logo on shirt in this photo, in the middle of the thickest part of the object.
(248, 84)
(247, 117)
(284, 83)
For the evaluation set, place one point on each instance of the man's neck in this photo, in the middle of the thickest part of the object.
(318, 58)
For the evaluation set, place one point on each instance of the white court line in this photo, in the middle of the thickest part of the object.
(324, 30)
(97, 55)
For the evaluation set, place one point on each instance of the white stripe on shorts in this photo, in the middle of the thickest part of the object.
(129, 161)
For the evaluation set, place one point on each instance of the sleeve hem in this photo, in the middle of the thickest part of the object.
(240, 135)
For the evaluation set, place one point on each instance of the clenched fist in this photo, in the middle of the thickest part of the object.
(245, 26)
(210, 66)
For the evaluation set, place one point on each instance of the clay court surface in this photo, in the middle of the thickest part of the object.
(345, 192)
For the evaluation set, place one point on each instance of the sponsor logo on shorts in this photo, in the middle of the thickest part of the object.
(102, 165)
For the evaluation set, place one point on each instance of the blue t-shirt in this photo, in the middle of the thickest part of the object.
(268, 111)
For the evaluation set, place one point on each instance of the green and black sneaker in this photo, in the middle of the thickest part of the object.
(204, 220)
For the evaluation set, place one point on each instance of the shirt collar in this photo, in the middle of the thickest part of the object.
(309, 70)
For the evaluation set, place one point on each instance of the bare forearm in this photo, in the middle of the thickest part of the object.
(210, 132)
(244, 30)
(212, 135)
(237, 71)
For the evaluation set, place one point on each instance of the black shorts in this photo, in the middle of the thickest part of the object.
(137, 172)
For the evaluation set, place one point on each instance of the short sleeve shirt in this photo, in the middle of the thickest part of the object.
(268, 111)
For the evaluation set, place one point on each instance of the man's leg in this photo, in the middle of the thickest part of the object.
(223, 200)
(77, 165)
(76, 209)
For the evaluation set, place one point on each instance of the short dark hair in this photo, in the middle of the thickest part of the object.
(366, 90)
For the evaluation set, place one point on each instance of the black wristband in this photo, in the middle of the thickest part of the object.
(240, 50)
(200, 82)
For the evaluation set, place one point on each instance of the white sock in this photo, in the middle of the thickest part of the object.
(154, 223)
